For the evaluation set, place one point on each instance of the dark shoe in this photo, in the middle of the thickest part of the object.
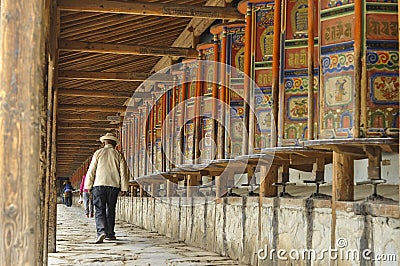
(100, 239)
(111, 238)
(91, 215)
(87, 215)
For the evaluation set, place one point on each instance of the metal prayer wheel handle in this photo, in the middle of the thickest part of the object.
(317, 183)
(374, 183)
(283, 184)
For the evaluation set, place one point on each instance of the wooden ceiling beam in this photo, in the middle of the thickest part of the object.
(79, 137)
(93, 93)
(82, 117)
(195, 27)
(101, 108)
(149, 9)
(103, 94)
(118, 76)
(93, 47)
(66, 125)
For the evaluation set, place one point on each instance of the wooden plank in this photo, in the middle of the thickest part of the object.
(82, 117)
(94, 93)
(94, 47)
(149, 9)
(117, 76)
(111, 93)
(22, 75)
(100, 108)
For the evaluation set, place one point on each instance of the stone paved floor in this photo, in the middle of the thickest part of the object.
(134, 246)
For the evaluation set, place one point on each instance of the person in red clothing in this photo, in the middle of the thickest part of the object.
(87, 198)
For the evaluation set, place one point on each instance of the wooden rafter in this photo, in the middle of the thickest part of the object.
(149, 9)
(112, 93)
(100, 108)
(82, 117)
(194, 28)
(119, 76)
(92, 47)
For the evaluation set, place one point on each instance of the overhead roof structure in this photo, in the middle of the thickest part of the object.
(105, 50)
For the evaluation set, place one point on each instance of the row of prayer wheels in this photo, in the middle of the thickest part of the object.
(294, 73)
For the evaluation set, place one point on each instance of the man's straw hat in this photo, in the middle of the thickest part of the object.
(109, 136)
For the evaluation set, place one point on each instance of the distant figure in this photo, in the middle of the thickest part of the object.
(108, 176)
(87, 198)
(68, 194)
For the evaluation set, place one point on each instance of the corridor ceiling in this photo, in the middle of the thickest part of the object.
(100, 45)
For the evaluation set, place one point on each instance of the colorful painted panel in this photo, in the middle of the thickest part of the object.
(325, 4)
(263, 19)
(263, 105)
(382, 78)
(263, 14)
(295, 73)
(188, 142)
(337, 67)
(382, 58)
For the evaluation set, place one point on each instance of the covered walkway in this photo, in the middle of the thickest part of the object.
(134, 246)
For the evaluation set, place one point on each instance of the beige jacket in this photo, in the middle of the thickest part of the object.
(107, 168)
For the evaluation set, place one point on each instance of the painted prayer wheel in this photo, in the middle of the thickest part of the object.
(231, 36)
(189, 130)
(178, 112)
(294, 102)
(359, 69)
(207, 52)
(259, 56)
(158, 120)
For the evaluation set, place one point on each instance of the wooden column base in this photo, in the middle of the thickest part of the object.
(267, 179)
(343, 177)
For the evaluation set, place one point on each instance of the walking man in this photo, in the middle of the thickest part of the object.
(87, 199)
(108, 176)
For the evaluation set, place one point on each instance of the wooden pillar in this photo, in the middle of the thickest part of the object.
(140, 161)
(191, 185)
(221, 183)
(222, 94)
(141, 191)
(22, 52)
(164, 140)
(52, 223)
(247, 78)
(214, 129)
(150, 164)
(268, 177)
(343, 177)
(182, 106)
(374, 162)
(169, 188)
(197, 112)
(310, 58)
(275, 71)
(318, 169)
(358, 7)
(155, 189)
(172, 152)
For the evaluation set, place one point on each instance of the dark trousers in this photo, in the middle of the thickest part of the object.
(105, 200)
(68, 199)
